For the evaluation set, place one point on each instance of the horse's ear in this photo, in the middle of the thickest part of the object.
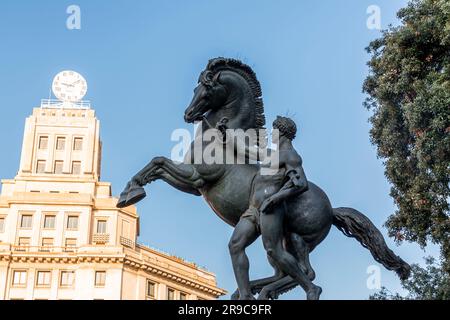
(216, 78)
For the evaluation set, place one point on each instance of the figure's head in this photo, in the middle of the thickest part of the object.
(286, 127)
(208, 95)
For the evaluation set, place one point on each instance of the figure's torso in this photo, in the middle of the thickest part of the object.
(266, 185)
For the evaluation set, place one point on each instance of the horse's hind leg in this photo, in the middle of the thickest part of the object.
(273, 290)
(300, 249)
(272, 236)
(257, 285)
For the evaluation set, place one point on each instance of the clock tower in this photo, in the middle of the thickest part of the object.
(62, 136)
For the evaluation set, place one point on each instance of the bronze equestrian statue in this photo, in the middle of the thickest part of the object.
(229, 90)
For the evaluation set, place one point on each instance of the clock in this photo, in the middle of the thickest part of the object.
(69, 86)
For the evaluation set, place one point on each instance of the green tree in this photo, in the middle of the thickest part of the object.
(429, 283)
(408, 91)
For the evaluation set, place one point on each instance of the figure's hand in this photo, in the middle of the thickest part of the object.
(222, 126)
(266, 205)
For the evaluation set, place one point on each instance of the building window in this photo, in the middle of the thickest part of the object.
(24, 243)
(43, 143)
(76, 167)
(100, 278)
(101, 226)
(72, 222)
(67, 278)
(49, 221)
(26, 221)
(40, 166)
(125, 229)
(183, 296)
(2, 224)
(43, 278)
(70, 244)
(47, 243)
(19, 278)
(58, 169)
(60, 144)
(170, 294)
(78, 144)
(151, 289)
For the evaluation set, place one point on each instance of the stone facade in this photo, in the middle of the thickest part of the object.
(61, 235)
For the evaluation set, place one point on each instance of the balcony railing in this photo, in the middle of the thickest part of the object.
(127, 242)
(56, 104)
(100, 238)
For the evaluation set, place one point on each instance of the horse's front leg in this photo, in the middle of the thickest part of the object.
(182, 176)
(176, 183)
(182, 173)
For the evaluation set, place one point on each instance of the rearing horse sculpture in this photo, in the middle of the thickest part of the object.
(229, 89)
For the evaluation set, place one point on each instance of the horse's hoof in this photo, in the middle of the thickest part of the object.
(135, 194)
(264, 295)
(314, 293)
(121, 204)
(122, 201)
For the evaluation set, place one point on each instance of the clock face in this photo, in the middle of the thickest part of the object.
(69, 86)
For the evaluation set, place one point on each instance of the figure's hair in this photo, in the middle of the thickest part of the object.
(218, 64)
(287, 127)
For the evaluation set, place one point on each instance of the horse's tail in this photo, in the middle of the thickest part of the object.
(356, 225)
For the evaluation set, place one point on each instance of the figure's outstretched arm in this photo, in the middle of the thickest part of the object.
(295, 185)
(239, 143)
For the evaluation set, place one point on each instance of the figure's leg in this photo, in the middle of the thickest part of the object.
(245, 233)
(257, 285)
(300, 250)
(272, 234)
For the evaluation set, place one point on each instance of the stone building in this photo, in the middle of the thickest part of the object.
(61, 235)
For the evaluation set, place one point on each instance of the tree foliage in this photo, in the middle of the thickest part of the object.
(429, 283)
(409, 94)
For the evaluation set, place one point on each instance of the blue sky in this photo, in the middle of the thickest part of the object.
(142, 59)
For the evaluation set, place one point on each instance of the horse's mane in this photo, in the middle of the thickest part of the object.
(218, 64)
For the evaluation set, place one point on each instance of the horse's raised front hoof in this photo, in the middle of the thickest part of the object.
(122, 200)
(122, 203)
(314, 293)
(135, 194)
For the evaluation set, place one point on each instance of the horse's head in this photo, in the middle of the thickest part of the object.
(227, 88)
(209, 95)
